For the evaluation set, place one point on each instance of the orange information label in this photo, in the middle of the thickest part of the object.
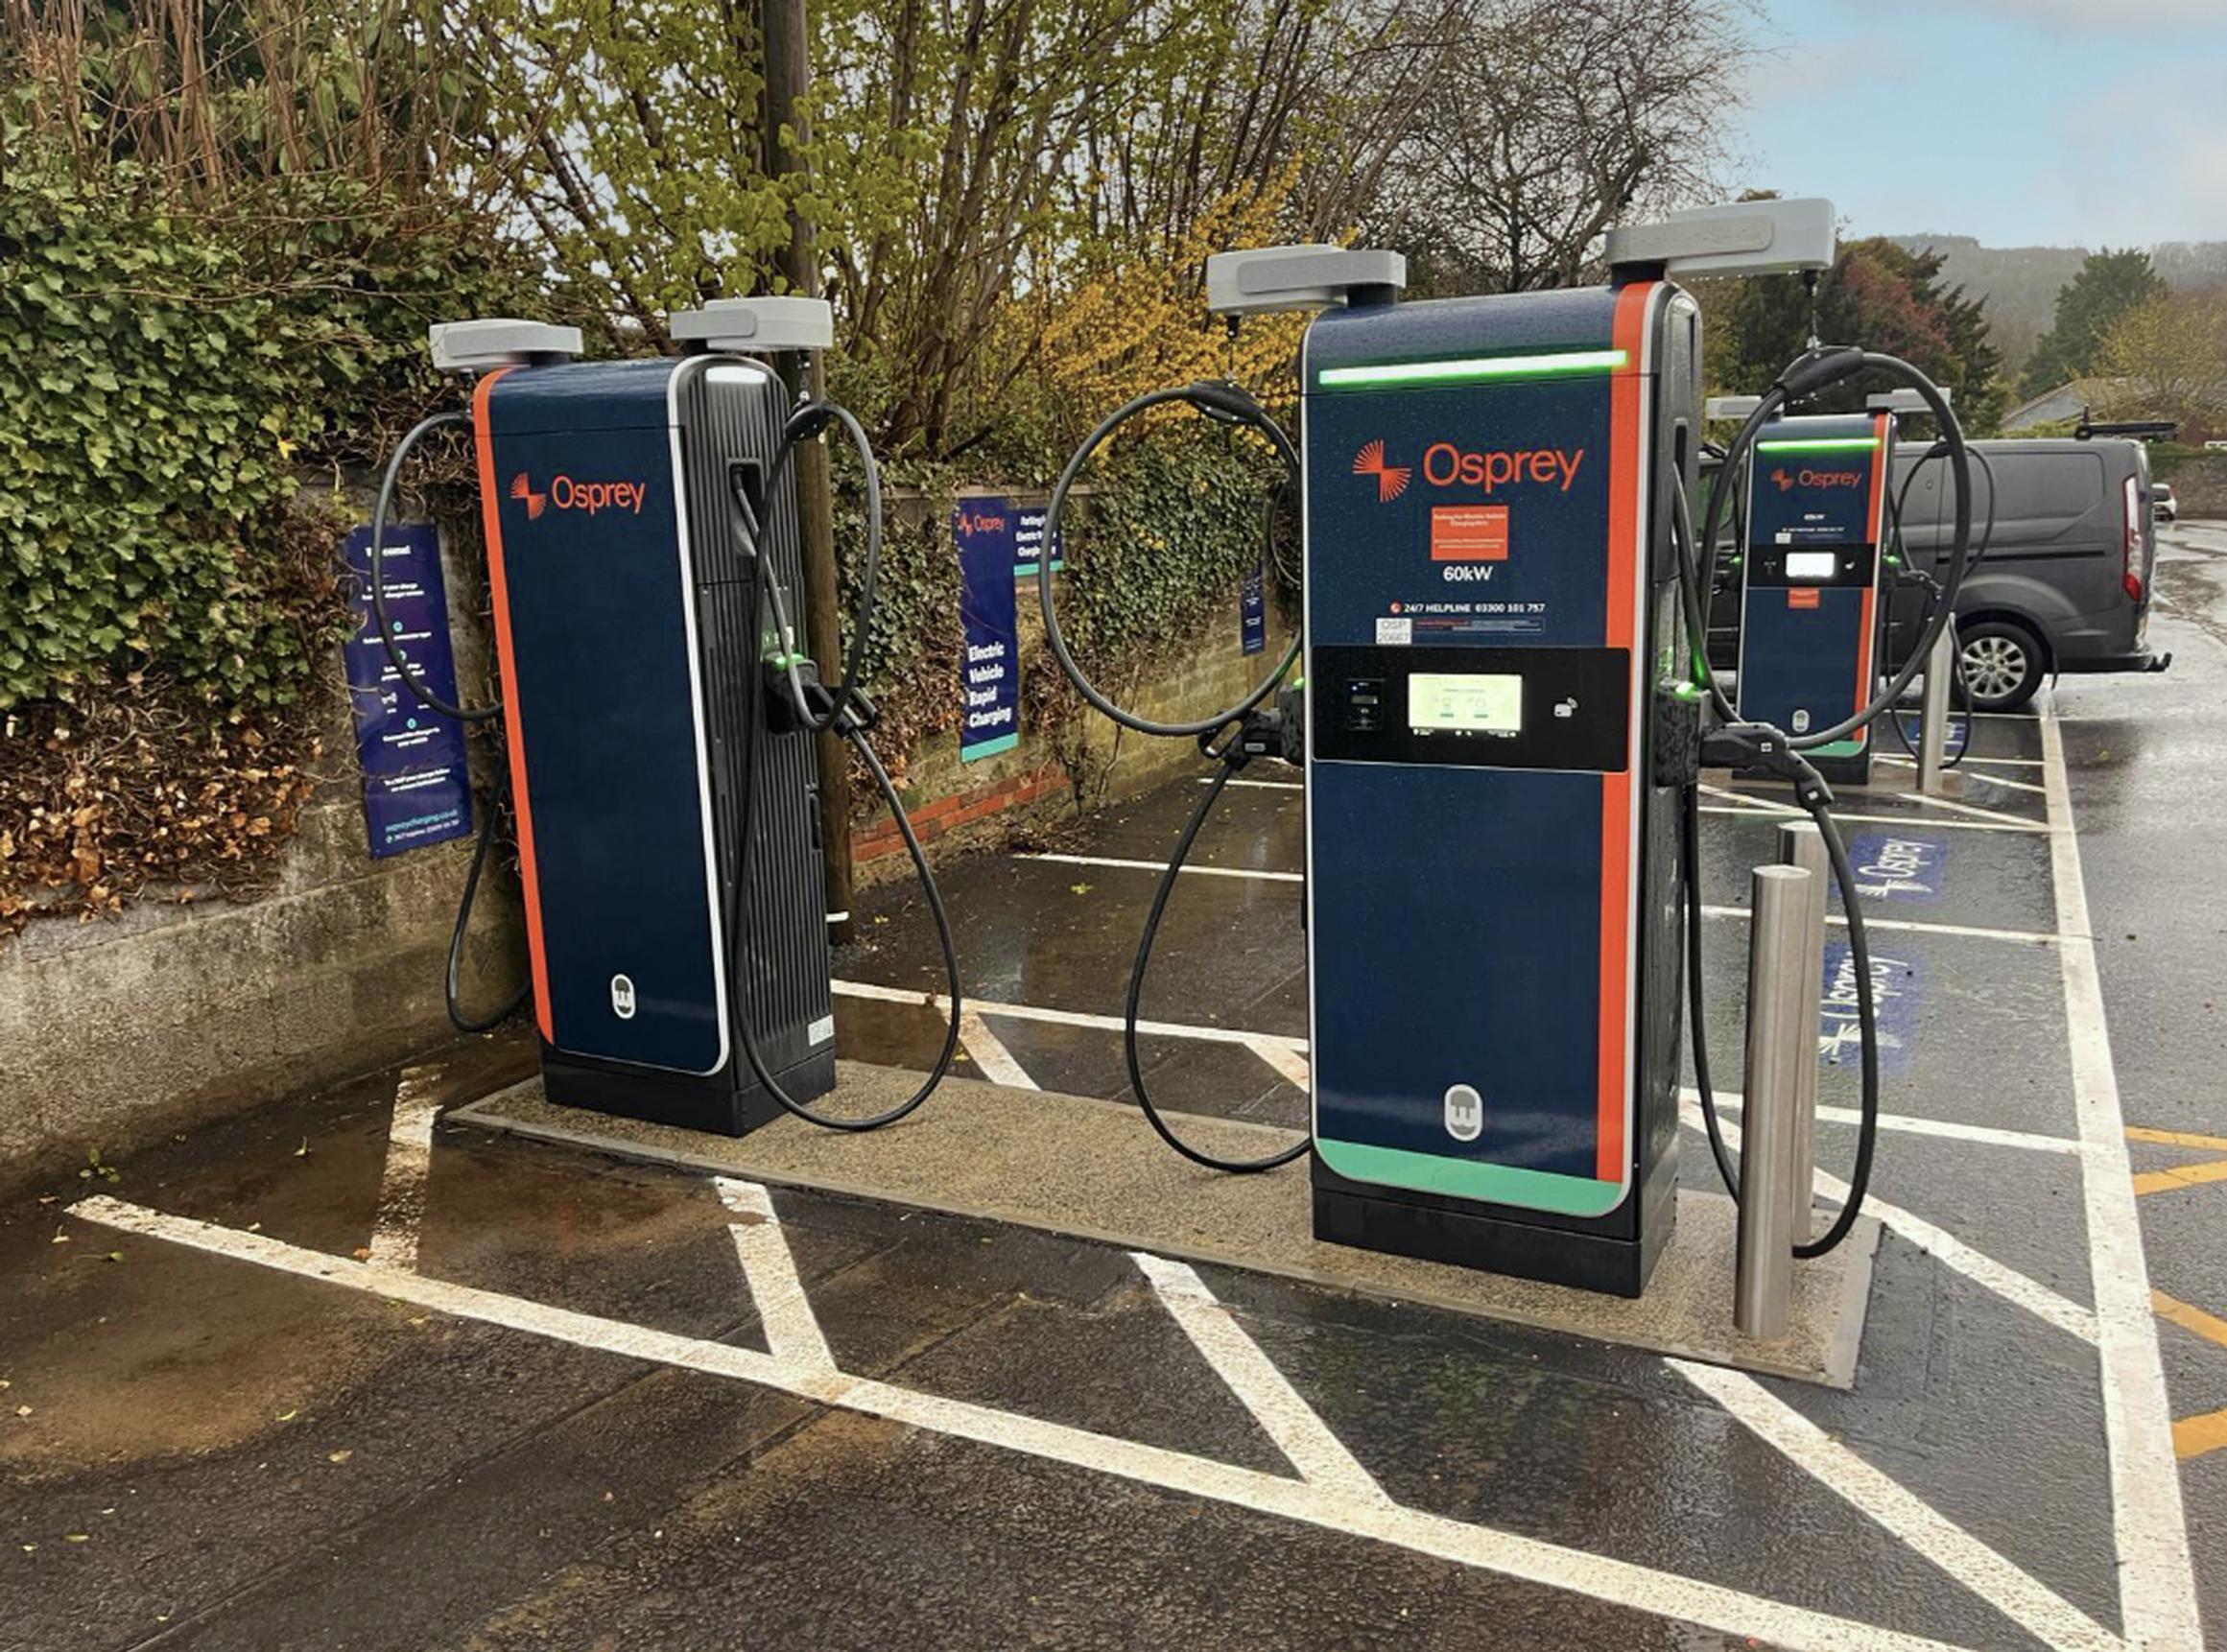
(1469, 534)
(1804, 595)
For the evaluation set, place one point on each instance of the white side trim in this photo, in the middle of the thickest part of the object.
(687, 565)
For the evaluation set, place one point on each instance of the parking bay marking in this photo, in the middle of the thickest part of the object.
(1288, 1056)
(1621, 1582)
(2157, 1582)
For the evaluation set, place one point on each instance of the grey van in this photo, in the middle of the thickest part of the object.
(2064, 583)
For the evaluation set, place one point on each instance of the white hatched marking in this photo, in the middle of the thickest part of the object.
(1288, 1062)
(1971, 809)
(791, 1329)
(2023, 937)
(1118, 863)
(1509, 1554)
(1982, 1135)
(394, 1230)
(1908, 820)
(1299, 1432)
(991, 1058)
(2011, 1591)
(1068, 1017)
(1945, 1247)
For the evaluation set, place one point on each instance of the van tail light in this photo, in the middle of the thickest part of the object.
(2131, 558)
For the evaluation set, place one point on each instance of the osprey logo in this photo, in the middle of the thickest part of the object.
(566, 494)
(1818, 479)
(1391, 479)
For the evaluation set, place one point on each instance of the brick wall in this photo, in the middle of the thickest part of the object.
(954, 806)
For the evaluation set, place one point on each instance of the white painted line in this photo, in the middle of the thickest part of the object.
(1115, 864)
(1945, 1247)
(1751, 804)
(1258, 785)
(2023, 937)
(991, 1058)
(1909, 820)
(1068, 1017)
(791, 1329)
(1621, 1583)
(1910, 1521)
(1922, 801)
(2157, 1587)
(1910, 1125)
(1967, 761)
(1299, 1432)
(1288, 1063)
(401, 1213)
(1985, 779)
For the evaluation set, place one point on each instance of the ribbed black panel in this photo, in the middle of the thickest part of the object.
(778, 940)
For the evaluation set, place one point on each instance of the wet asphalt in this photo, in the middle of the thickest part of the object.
(198, 1452)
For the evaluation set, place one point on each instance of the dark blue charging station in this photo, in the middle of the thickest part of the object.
(1809, 614)
(1492, 871)
(628, 630)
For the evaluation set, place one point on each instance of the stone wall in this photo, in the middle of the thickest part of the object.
(176, 1012)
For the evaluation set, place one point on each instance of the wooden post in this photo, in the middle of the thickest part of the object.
(784, 30)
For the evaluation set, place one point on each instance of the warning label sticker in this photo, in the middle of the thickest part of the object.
(1469, 534)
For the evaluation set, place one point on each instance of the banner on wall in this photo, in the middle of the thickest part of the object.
(1252, 609)
(983, 530)
(416, 788)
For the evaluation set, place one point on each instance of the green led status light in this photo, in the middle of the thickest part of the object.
(1821, 444)
(1475, 368)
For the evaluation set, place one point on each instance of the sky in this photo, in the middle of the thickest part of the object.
(2064, 123)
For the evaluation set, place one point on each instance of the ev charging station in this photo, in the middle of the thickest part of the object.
(1817, 529)
(1491, 614)
(1505, 715)
(644, 557)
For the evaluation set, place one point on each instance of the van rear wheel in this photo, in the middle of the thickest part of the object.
(2002, 664)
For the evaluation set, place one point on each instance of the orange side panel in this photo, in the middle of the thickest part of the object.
(492, 518)
(1625, 517)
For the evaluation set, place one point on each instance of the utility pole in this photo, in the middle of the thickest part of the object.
(784, 30)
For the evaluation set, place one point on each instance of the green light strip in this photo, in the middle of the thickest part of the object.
(1475, 368)
(1821, 444)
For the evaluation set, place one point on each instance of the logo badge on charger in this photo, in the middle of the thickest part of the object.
(1465, 1113)
(623, 997)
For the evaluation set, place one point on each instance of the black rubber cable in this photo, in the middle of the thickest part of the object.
(411, 680)
(1230, 404)
(1695, 574)
(844, 694)
(1153, 1115)
(745, 1033)
(451, 986)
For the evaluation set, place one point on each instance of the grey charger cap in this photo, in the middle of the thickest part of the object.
(498, 342)
(1261, 280)
(787, 323)
(1740, 238)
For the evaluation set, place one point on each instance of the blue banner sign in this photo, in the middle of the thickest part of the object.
(1252, 609)
(416, 788)
(983, 530)
(1896, 991)
(1895, 867)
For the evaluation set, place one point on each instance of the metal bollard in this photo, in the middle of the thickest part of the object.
(1801, 844)
(1934, 707)
(1782, 1007)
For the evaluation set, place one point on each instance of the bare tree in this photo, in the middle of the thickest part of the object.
(1553, 120)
